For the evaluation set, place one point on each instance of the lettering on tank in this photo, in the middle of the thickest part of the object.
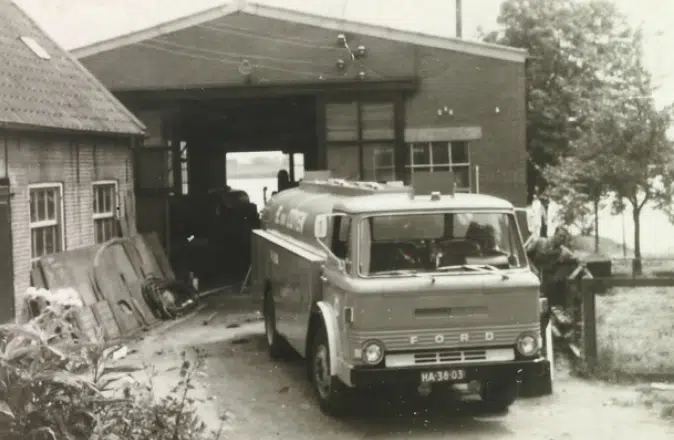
(293, 219)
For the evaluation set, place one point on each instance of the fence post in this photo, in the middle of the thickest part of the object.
(589, 323)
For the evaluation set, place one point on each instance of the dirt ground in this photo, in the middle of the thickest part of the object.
(269, 400)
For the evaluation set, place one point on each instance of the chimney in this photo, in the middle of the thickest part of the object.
(459, 24)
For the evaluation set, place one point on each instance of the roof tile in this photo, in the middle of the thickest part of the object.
(57, 93)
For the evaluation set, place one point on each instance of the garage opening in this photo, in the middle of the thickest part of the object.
(257, 173)
(230, 151)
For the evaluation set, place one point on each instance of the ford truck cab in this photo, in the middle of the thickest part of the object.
(383, 285)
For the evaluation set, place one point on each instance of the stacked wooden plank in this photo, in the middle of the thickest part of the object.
(108, 278)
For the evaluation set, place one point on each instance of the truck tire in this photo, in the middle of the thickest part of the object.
(331, 392)
(276, 345)
(498, 395)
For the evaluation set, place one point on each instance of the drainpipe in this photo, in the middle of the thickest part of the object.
(459, 24)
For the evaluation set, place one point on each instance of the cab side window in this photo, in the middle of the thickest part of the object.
(340, 237)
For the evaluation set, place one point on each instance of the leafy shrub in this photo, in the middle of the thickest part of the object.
(54, 385)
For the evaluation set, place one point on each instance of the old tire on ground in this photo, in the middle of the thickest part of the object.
(498, 395)
(331, 392)
(276, 345)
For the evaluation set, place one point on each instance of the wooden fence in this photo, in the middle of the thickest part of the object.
(580, 312)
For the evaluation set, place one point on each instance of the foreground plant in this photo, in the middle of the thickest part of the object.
(56, 385)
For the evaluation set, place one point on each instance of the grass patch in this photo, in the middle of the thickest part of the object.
(635, 330)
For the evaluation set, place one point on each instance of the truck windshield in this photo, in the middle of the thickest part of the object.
(399, 244)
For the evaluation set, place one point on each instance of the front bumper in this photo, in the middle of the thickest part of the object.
(372, 377)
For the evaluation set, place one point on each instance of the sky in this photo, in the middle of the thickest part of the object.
(75, 23)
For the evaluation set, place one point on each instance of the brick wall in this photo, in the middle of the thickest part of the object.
(473, 87)
(75, 163)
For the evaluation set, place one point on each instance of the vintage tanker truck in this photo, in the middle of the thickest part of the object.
(396, 286)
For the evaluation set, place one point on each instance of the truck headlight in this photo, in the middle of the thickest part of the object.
(373, 352)
(527, 344)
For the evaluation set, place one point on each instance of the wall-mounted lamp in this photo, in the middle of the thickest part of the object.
(340, 64)
(497, 110)
(245, 68)
(445, 111)
(361, 51)
(341, 40)
(362, 74)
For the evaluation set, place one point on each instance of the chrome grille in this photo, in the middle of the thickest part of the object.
(441, 357)
(450, 357)
(400, 340)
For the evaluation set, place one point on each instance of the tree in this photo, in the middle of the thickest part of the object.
(576, 49)
(578, 185)
(638, 156)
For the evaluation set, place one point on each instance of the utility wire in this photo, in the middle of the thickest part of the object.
(232, 54)
(226, 61)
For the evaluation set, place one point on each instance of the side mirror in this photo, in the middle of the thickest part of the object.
(321, 226)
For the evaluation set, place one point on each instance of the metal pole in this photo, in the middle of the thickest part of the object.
(459, 24)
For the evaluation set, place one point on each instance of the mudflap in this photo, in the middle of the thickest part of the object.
(536, 380)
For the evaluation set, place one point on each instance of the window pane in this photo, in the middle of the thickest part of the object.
(49, 240)
(98, 231)
(341, 121)
(377, 158)
(420, 154)
(385, 175)
(422, 169)
(38, 242)
(462, 176)
(33, 207)
(51, 204)
(107, 191)
(460, 152)
(41, 205)
(440, 152)
(343, 161)
(441, 168)
(378, 120)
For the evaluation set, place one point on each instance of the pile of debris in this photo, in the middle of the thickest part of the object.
(125, 285)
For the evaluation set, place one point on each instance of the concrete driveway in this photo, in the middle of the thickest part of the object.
(270, 400)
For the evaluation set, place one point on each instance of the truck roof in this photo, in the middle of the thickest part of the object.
(399, 201)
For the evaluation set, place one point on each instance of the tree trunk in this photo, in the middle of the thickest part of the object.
(637, 267)
(596, 226)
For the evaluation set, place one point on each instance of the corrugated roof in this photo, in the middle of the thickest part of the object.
(53, 90)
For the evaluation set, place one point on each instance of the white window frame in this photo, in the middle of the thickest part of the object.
(411, 166)
(59, 222)
(114, 214)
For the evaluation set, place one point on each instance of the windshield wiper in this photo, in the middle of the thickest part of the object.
(397, 272)
(484, 268)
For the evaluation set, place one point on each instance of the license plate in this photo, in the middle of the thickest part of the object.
(442, 376)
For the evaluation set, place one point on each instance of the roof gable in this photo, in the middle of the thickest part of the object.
(259, 8)
(43, 86)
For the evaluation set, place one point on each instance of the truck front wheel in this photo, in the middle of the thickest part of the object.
(331, 392)
(498, 395)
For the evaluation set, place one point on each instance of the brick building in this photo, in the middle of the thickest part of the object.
(362, 100)
(66, 174)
